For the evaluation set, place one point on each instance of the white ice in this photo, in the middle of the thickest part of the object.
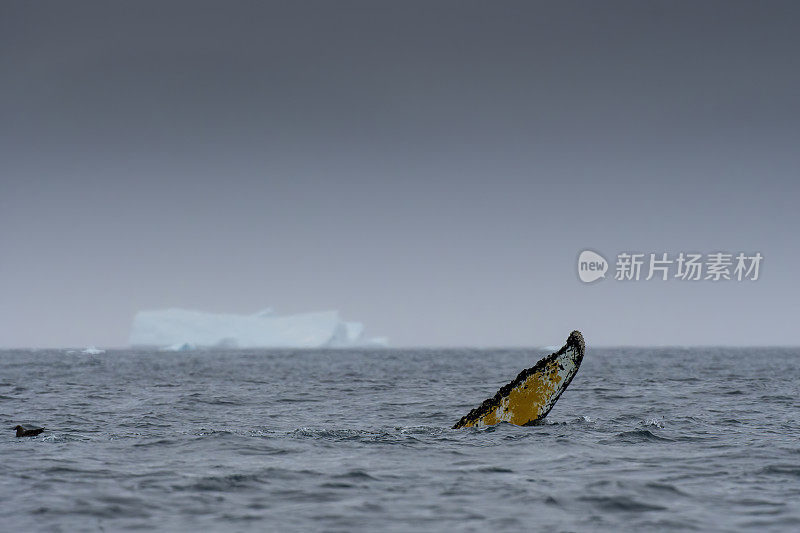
(91, 350)
(180, 347)
(181, 329)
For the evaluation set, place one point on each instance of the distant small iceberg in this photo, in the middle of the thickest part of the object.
(181, 347)
(377, 342)
(91, 350)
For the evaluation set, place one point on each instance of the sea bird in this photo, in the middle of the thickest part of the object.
(28, 431)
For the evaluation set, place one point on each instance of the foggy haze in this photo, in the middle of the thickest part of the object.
(431, 169)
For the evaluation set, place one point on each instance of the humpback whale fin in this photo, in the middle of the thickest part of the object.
(529, 398)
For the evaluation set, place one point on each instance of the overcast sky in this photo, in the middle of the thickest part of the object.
(429, 168)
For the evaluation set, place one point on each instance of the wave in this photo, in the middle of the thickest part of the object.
(621, 504)
(638, 436)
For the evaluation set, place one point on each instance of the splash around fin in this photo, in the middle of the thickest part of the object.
(533, 393)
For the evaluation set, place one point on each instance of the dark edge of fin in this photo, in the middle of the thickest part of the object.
(575, 340)
(581, 349)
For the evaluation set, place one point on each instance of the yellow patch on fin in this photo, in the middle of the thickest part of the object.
(529, 398)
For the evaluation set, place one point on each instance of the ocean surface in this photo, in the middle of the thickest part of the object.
(662, 439)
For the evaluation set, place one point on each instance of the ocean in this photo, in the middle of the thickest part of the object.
(656, 439)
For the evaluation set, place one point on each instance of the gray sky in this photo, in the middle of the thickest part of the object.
(429, 168)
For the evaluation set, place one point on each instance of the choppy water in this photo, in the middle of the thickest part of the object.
(656, 439)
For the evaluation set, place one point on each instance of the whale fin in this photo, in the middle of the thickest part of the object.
(532, 394)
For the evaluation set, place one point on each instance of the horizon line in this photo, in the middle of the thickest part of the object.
(411, 347)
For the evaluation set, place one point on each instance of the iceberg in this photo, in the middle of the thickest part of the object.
(182, 330)
(183, 347)
(91, 350)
